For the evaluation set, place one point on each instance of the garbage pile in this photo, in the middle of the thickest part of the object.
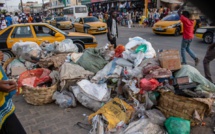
(131, 89)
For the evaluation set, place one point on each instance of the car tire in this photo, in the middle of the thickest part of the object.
(7, 55)
(177, 31)
(208, 38)
(80, 46)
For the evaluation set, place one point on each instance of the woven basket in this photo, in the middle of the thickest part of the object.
(7, 62)
(39, 95)
(179, 106)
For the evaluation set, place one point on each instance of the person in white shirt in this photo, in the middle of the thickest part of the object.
(129, 19)
(3, 22)
(16, 18)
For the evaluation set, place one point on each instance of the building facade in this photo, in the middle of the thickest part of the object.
(2, 2)
(58, 5)
(30, 7)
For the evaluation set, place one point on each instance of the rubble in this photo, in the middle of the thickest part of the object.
(129, 89)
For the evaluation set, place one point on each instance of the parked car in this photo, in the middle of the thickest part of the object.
(172, 25)
(61, 23)
(39, 32)
(47, 20)
(90, 25)
(206, 33)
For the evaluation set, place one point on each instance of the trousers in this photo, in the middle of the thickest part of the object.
(185, 46)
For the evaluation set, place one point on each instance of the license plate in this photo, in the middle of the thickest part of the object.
(159, 29)
(101, 29)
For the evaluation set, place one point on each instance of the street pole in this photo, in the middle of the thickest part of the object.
(146, 8)
(22, 6)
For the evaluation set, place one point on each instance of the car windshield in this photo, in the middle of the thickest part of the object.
(60, 31)
(90, 19)
(61, 19)
(49, 18)
(172, 17)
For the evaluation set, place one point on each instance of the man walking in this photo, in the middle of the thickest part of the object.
(8, 19)
(129, 19)
(188, 25)
(112, 33)
(210, 55)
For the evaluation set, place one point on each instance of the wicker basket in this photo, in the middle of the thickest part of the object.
(7, 62)
(39, 95)
(179, 106)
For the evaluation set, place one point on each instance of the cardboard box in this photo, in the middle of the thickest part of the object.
(170, 59)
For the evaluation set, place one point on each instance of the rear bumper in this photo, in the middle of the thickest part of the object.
(199, 35)
(96, 31)
(91, 45)
(164, 31)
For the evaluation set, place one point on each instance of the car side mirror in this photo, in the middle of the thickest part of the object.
(57, 35)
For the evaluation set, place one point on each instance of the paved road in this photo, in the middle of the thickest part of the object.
(52, 119)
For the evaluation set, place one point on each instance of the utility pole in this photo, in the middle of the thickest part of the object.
(146, 8)
(21, 6)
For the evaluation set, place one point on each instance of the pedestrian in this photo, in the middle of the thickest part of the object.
(30, 18)
(8, 19)
(38, 18)
(112, 33)
(210, 56)
(129, 19)
(160, 11)
(188, 25)
(150, 17)
(9, 123)
(3, 22)
(156, 16)
(15, 18)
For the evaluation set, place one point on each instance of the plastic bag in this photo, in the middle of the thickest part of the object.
(175, 125)
(141, 48)
(47, 46)
(66, 46)
(148, 84)
(139, 59)
(156, 116)
(85, 100)
(65, 99)
(195, 76)
(119, 50)
(143, 126)
(123, 62)
(98, 92)
(29, 51)
(34, 77)
(14, 63)
(114, 112)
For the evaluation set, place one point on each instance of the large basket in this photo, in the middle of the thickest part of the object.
(7, 62)
(39, 95)
(179, 106)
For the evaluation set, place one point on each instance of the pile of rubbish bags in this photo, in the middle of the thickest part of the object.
(128, 88)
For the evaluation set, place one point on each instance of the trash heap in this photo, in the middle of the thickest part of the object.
(131, 89)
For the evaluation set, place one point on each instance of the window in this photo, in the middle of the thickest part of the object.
(22, 32)
(90, 19)
(43, 31)
(80, 10)
(172, 17)
(77, 20)
(5, 34)
(60, 19)
(68, 11)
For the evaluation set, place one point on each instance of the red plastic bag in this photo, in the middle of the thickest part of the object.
(148, 84)
(118, 51)
(33, 78)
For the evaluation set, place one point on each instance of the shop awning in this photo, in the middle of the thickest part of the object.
(171, 1)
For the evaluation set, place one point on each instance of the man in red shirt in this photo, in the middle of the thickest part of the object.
(188, 28)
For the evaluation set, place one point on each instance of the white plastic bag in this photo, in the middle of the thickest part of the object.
(29, 51)
(123, 62)
(139, 59)
(64, 99)
(85, 100)
(98, 92)
(156, 116)
(66, 46)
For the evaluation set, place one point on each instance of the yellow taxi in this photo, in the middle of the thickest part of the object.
(40, 32)
(171, 25)
(61, 23)
(206, 34)
(90, 25)
(47, 20)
